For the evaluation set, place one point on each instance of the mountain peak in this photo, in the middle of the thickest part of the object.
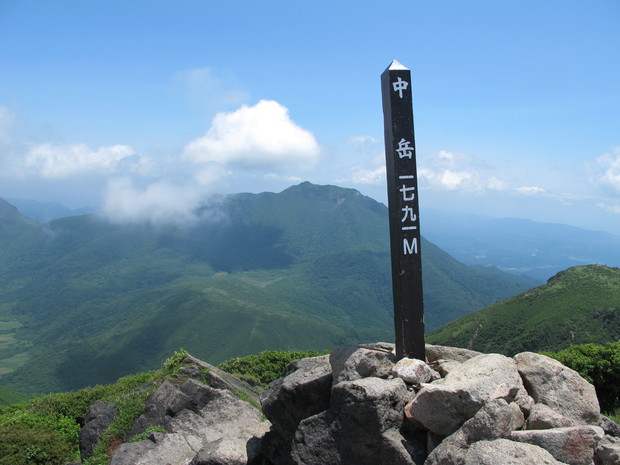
(317, 191)
(8, 211)
(585, 272)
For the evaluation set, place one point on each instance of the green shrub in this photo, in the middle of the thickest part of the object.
(129, 409)
(598, 364)
(22, 445)
(174, 361)
(44, 431)
(264, 368)
(57, 419)
(73, 405)
(149, 430)
(64, 426)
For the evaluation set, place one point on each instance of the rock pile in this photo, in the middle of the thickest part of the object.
(358, 406)
(205, 425)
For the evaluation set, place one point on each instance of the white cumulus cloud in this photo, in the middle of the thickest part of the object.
(262, 136)
(63, 161)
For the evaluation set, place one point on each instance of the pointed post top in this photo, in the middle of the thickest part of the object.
(396, 66)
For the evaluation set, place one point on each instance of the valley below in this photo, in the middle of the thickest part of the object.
(84, 301)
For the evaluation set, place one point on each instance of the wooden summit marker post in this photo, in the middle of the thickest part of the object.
(403, 209)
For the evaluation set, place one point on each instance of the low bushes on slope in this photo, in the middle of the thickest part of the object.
(44, 431)
(264, 368)
(600, 365)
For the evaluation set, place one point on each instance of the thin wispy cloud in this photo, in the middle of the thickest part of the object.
(6, 123)
(156, 203)
(61, 162)
(282, 177)
(208, 90)
(368, 176)
(369, 168)
(615, 209)
(445, 170)
(608, 171)
(530, 190)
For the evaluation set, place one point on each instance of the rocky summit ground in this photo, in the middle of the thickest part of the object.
(358, 405)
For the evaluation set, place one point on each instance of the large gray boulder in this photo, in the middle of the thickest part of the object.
(166, 401)
(413, 371)
(99, 416)
(573, 445)
(303, 392)
(544, 417)
(435, 353)
(220, 452)
(493, 421)
(206, 425)
(559, 387)
(362, 361)
(609, 426)
(362, 426)
(505, 452)
(608, 451)
(171, 449)
(220, 416)
(442, 407)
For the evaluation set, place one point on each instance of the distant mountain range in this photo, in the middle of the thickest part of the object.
(520, 246)
(46, 211)
(577, 306)
(83, 301)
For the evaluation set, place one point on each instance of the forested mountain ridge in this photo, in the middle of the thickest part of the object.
(577, 306)
(84, 301)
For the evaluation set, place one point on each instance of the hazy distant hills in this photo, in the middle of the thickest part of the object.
(83, 301)
(46, 211)
(521, 246)
(577, 306)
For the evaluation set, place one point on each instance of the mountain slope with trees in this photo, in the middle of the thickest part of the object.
(84, 301)
(577, 306)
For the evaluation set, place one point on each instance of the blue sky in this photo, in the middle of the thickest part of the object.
(144, 109)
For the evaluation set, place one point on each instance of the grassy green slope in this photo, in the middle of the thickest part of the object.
(86, 302)
(8, 397)
(579, 305)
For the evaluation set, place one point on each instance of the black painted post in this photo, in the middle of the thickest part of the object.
(404, 212)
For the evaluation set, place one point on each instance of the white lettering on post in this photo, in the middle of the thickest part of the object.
(410, 248)
(408, 214)
(408, 195)
(399, 86)
(404, 149)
